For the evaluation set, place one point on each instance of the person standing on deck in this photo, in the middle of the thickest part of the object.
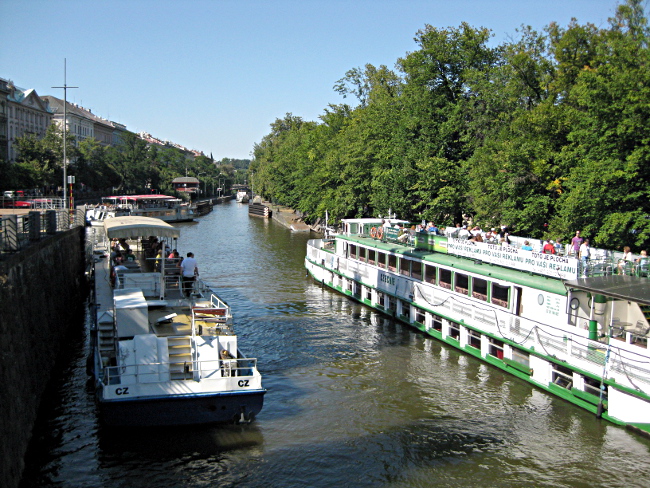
(575, 243)
(189, 270)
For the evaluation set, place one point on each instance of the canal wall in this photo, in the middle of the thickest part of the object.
(41, 295)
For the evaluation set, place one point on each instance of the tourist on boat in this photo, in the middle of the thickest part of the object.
(526, 246)
(491, 236)
(559, 247)
(189, 271)
(548, 248)
(130, 256)
(463, 233)
(627, 257)
(585, 254)
(403, 235)
(576, 242)
(642, 264)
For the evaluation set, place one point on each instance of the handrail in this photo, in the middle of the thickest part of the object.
(243, 367)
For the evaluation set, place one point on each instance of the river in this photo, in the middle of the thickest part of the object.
(354, 399)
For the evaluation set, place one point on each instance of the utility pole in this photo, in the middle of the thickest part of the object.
(65, 130)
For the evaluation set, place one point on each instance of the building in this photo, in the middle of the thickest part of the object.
(186, 184)
(26, 113)
(81, 122)
(4, 109)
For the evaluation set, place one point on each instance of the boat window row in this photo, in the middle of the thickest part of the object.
(464, 284)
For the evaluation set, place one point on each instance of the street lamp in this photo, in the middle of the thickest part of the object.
(221, 180)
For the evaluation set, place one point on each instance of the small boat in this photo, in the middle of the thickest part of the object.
(581, 332)
(163, 207)
(242, 196)
(159, 357)
(97, 214)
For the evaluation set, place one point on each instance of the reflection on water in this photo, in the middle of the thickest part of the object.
(354, 399)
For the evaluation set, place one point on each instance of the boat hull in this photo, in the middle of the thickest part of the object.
(215, 408)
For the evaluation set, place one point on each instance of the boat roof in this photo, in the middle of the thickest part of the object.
(134, 226)
(493, 271)
(153, 196)
(623, 287)
(377, 221)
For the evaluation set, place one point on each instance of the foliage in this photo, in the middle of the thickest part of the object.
(546, 133)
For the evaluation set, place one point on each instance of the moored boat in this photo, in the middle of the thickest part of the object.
(163, 207)
(581, 334)
(161, 357)
(242, 196)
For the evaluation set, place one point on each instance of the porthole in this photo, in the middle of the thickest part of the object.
(540, 299)
(575, 303)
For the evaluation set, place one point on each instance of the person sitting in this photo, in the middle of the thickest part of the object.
(627, 258)
(403, 236)
(526, 246)
(559, 247)
(130, 256)
(548, 248)
(642, 264)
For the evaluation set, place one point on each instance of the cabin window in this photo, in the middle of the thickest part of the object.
(462, 284)
(381, 260)
(372, 259)
(474, 338)
(362, 254)
(521, 357)
(479, 289)
(368, 294)
(436, 323)
(392, 304)
(496, 348)
(380, 300)
(593, 386)
(444, 278)
(406, 309)
(430, 274)
(562, 376)
(454, 330)
(500, 295)
(420, 316)
(416, 270)
(354, 229)
(353, 251)
(405, 267)
(392, 262)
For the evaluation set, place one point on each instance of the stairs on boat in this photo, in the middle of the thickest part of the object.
(180, 357)
(106, 336)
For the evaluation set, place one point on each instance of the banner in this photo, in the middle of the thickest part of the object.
(551, 265)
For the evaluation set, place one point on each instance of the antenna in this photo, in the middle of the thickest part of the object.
(65, 130)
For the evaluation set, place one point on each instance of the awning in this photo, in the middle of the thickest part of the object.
(129, 226)
(632, 288)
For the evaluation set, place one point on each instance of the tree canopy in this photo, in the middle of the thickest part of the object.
(546, 133)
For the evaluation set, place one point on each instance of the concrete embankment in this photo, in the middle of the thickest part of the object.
(42, 290)
(289, 218)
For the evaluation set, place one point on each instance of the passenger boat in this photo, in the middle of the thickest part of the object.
(534, 315)
(242, 196)
(96, 214)
(163, 207)
(159, 357)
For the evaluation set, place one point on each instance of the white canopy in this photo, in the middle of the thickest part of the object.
(129, 226)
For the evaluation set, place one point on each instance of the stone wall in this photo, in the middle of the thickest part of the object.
(42, 291)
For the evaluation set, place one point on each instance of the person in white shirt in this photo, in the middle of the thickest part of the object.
(189, 271)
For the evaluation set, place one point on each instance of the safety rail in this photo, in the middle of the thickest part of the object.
(18, 231)
(160, 371)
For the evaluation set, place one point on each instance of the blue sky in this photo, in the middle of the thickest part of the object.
(212, 75)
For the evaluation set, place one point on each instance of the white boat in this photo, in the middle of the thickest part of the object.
(242, 196)
(163, 207)
(534, 315)
(97, 214)
(160, 358)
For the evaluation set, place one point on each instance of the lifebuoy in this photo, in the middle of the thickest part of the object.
(373, 232)
(380, 232)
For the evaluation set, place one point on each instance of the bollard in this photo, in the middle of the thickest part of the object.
(34, 226)
(50, 219)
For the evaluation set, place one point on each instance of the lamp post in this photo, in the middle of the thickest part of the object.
(65, 130)
(221, 180)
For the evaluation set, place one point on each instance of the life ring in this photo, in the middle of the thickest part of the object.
(373, 232)
(380, 232)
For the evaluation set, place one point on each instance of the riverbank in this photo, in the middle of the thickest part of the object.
(289, 218)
